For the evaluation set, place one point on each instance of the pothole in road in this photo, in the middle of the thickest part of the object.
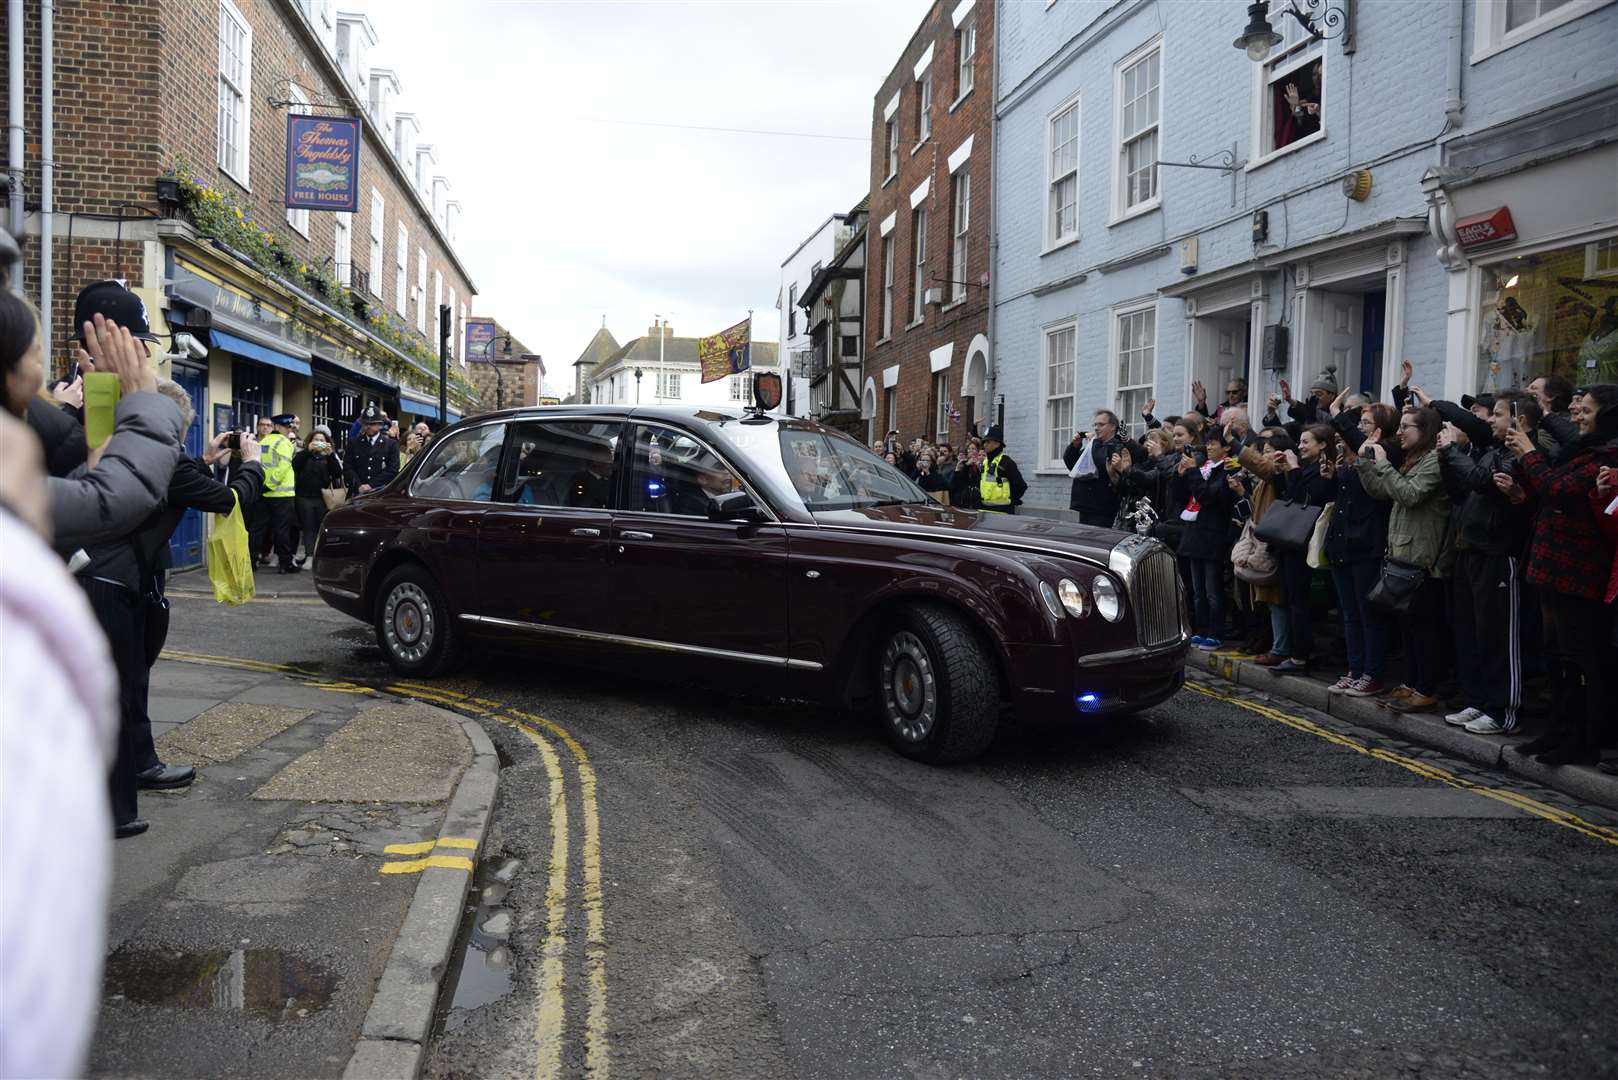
(484, 973)
(266, 982)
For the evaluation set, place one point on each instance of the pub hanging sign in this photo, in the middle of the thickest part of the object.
(323, 163)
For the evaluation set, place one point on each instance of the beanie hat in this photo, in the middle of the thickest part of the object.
(1326, 382)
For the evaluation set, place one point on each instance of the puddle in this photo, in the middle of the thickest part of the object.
(484, 975)
(266, 982)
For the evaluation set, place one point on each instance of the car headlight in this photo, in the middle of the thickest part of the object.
(1074, 598)
(1108, 602)
(1052, 604)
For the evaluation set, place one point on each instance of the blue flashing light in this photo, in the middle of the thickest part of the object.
(1089, 702)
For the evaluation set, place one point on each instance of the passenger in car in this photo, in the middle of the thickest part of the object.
(591, 485)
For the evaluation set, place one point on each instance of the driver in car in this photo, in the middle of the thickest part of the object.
(713, 480)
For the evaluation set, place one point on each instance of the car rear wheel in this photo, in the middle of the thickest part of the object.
(413, 624)
(937, 693)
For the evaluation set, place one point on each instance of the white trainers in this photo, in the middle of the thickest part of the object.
(1484, 724)
(1464, 717)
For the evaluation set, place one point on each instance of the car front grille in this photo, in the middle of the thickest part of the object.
(1153, 579)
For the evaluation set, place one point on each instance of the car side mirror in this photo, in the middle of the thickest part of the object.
(734, 506)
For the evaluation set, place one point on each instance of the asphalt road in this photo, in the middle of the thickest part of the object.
(1210, 890)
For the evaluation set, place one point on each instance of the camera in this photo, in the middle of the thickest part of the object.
(234, 441)
(187, 345)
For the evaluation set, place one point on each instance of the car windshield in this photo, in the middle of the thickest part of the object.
(833, 472)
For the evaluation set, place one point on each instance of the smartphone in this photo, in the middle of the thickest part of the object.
(101, 392)
(1514, 404)
(74, 372)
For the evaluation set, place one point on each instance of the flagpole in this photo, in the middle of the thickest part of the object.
(662, 379)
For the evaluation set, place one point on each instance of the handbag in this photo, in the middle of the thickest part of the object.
(334, 497)
(1288, 525)
(230, 566)
(1317, 540)
(1397, 586)
(1253, 560)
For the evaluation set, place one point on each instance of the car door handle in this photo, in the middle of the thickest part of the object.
(586, 532)
(632, 534)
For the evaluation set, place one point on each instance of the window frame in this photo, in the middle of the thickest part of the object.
(1052, 236)
(890, 408)
(918, 265)
(297, 218)
(1120, 312)
(960, 228)
(239, 166)
(1292, 57)
(1048, 398)
(665, 381)
(792, 310)
(342, 248)
(439, 446)
(940, 396)
(888, 248)
(966, 59)
(1121, 210)
(924, 108)
(614, 482)
(379, 233)
(627, 460)
(893, 147)
(401, 295)
(1490, 36)
(421, 290)
(438, 304)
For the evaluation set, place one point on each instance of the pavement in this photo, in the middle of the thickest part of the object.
(292, 912)
(1583, 782)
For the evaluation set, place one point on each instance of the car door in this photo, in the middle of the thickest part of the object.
(545, 546)
(439, 519)
(712, 592)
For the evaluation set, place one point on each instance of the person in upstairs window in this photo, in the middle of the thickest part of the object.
(1297, 105)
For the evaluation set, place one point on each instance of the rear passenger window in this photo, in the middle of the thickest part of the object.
(561, 463)
(462, 466)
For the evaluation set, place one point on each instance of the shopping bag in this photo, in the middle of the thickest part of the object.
(1317, 540)
(230, 566)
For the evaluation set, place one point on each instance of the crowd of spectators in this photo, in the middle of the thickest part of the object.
(1471, 542)
(951, 476)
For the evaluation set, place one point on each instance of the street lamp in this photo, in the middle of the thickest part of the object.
(638, 374)
(488, 358)
(1260, 37)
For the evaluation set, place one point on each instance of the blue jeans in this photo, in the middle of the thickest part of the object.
(1207, 587)
(1363, 630)
(1280, 627)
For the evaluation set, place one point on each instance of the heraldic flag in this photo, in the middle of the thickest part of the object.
(728, 352)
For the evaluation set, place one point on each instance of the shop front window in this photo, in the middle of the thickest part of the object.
(252, 393)
(1553, 313)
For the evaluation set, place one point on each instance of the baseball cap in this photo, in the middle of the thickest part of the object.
(115, 303)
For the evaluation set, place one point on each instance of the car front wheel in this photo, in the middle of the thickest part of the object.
(413, 624)
(936, 686)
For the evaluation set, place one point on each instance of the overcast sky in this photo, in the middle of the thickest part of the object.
(566, 219)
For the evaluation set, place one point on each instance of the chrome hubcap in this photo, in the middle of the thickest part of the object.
(909, 687)
(407, 622)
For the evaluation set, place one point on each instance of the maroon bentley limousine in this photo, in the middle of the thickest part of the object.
(757, 553)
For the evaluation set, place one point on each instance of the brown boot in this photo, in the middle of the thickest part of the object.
(1415, 703)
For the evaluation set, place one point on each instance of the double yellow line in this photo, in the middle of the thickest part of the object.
(1604, 833)
(550, 1021)
(550, 1025)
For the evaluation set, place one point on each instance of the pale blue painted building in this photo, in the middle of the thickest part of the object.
(1121, 275)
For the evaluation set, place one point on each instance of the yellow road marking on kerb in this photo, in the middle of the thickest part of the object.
(465, 843)
(416, 866)
(1604, 833)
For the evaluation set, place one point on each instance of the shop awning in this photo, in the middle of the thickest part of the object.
(262, 353)
(417, 405)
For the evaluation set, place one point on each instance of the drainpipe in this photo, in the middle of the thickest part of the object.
(14, 114)
(994, 220)
(1455, 64)
(47, 166)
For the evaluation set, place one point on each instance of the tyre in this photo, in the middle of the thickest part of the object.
(937, 694)
(413, 623)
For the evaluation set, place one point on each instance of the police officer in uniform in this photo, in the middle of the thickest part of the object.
(1001, 486)
(277, 513)
(373, 458)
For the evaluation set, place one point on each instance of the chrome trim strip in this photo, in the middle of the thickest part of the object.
(643, 643)
(948, 537)
(1138, 653)
(335, 591)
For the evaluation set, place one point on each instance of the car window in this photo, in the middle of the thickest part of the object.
(561, 463)
(833, 472)
(462, 465)
(673, 473)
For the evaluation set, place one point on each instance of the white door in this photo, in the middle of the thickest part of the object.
(1341, 324)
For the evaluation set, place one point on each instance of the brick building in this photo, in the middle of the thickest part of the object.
(506, 373)
(310, 312)
(927, 248)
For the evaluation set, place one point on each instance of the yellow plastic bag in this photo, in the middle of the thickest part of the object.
(230, 565)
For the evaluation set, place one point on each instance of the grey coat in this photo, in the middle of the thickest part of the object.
(96, 505)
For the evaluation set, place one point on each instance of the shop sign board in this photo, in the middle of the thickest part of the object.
(1480, 230)
(323, 163)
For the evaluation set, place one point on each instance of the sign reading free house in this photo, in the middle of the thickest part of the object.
(323, 163)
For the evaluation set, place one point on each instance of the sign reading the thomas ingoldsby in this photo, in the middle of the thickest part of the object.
(323, 163)
(480, 339)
